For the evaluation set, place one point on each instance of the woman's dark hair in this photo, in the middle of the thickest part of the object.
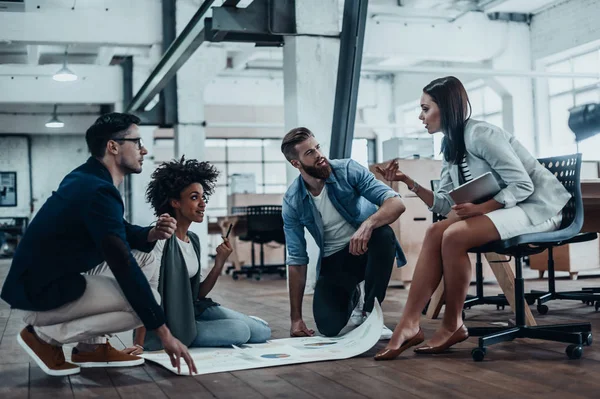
(451, 98)
(171, 178)
(108, 127)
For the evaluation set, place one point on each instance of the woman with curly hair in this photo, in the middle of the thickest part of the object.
(181, 189)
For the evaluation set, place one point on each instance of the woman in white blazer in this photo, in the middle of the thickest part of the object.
(530, 200)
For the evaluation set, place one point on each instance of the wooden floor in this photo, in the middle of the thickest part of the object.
(519, 369)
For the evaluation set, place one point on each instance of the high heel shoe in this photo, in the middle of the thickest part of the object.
(391, 354)
(459, 335)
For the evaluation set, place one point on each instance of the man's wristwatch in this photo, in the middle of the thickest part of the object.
(415, 187)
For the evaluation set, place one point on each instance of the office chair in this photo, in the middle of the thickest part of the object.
(590, 296)
(567, 170)
(265, 224)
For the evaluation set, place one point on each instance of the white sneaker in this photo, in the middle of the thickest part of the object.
(259, 320)
(386, 333)
(357, 317)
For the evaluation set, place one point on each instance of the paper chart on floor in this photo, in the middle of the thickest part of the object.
(280, 352)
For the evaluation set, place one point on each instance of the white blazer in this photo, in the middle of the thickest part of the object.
(524, 182)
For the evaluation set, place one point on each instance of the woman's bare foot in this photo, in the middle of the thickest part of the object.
(401, 334)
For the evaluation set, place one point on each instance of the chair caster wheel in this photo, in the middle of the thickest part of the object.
(542, 309)
(574, 351)
(597, 305)
(235, 276)
(478, 354)
(589, 303)
(464, 315)
(587, 338)
(499, 307)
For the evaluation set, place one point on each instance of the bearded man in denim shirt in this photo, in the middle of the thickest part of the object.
(347, 211)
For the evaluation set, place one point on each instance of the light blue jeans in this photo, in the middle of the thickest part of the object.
(219, 326)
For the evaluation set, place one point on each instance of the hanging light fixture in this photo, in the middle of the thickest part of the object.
(54, 122)
(64, 74)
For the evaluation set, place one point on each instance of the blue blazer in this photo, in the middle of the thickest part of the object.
(68, 236)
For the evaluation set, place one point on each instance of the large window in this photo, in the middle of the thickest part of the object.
(259, 159)
(566, 93)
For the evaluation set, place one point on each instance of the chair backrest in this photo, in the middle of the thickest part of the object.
(265, 223)
(567, 169)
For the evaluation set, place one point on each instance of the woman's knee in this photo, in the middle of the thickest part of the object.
(435, 232)
(455, 239)
(259, 333)
(239, 332)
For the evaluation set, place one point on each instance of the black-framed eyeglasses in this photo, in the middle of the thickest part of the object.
(137, 140)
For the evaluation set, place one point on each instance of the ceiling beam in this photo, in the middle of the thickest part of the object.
(34, 84)
(33, 54)
(105, 55)
(74, 27)
(176, 55)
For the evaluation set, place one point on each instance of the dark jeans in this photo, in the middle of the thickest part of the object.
(336, 291)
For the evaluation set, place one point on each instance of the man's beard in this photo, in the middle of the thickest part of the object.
(318, 172)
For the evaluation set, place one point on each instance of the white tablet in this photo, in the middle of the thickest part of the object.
(477, 190)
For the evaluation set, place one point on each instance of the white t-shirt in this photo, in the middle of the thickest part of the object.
(187, 250)
(336, 230)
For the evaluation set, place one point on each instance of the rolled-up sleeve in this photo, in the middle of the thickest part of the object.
(295, 241)
(496, 149)
(369, 187)
(442, 203)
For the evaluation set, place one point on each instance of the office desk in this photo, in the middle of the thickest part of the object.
(590, 192)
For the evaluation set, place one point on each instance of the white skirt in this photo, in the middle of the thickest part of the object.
(512, 222)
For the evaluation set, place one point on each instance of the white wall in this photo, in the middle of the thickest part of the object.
(53, 157)
(14, 158)
(564, 26)
(141, 212)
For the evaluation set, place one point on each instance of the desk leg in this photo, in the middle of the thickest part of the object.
(436, 302)
(506, 280)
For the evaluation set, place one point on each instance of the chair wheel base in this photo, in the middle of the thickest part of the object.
(574, 351)
(542, 309)
(478, 354)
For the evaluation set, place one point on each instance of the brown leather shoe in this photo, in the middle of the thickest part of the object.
(105, 356)
(391, 354)
(459, 335)
(49, 358)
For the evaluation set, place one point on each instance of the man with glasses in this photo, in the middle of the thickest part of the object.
(81, 271)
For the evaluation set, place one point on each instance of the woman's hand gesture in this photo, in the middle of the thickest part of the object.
(223, 251)
(391, 172)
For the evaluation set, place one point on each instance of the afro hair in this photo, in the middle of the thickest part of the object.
(171, 178)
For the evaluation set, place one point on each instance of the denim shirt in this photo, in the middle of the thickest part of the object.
(355, 194)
